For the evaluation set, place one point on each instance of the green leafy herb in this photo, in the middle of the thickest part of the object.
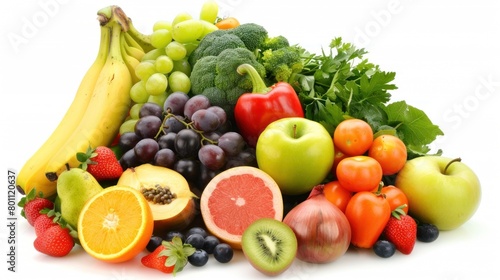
(341, 84)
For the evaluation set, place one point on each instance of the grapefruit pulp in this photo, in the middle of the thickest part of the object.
(235, 198)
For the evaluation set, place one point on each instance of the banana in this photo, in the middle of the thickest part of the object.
(130, 60)
(105, 113)
(132, 42)
(142, 39)
(32, 174)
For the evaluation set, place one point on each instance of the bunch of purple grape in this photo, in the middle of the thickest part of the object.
(188, 135)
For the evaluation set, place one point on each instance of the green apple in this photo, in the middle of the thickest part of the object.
(296, 152)
(441, 191)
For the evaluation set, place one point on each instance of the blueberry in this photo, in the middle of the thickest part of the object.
(210, 243)
(384, 248)
(198, 230)
(427, 232)
(196, 240)
(171, 234)
(223, 253)
(153, 243)
(198, 258)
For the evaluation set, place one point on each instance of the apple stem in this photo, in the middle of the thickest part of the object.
(449, 163)
(294, 130)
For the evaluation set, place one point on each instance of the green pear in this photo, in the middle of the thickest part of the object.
(74, 188)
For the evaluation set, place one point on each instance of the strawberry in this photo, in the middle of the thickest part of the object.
(169, 257)
(47, 219)
(401, 230)
(101, 162)
(56, 241)
(32, 204)
(154, 260)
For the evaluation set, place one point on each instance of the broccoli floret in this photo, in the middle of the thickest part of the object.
(283, 62)
(214, 43)
(275, 43)
(217, 78)
(252, 34)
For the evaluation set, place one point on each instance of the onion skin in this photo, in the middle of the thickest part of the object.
(322, 229)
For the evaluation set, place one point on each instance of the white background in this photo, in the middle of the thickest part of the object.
(446, 56)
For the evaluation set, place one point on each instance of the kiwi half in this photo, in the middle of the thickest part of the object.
(269, 245)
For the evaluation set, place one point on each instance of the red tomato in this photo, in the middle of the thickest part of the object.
(359, 173)
(396, 197)
(353, 137)
(337, 195)
(390, 152)
(367, 213)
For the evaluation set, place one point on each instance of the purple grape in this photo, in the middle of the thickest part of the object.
(148, 126)
(194, 104)
(146, 149)
(151, 109)
(205, 120)
(232, 143)
(175, 102)
(212, 156)
(164, 157)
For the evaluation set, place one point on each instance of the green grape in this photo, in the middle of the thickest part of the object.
(180, 17)
(128, 126)
(144, 70)
(207, 28)
(187, 31)
(153, 54)
(183, 66)
(157, 84)
(160, 38)
(176, 50)
(179, 81)
(209, 11)
(138, 92)
(134, 110)
(164, 64)
(162, 24)
(158, 99)
(190, 47)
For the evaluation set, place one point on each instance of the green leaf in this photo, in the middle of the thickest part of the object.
(413, 125)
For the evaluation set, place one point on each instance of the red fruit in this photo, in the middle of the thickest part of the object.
(101, 163)
(153, 260)
(401, 230)
(56, 241)
(32, 204)
(42, 223)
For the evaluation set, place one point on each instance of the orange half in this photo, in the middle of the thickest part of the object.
(116, 224)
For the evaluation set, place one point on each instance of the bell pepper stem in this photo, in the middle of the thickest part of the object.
(257, 83)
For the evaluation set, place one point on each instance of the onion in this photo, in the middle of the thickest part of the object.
(322, 230)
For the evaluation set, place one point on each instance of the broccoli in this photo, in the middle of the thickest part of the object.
(283, 62)
(252, 34)
(216, 77)
(274, 43)
(214, 43)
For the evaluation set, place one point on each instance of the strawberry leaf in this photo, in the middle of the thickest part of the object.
(177, 254)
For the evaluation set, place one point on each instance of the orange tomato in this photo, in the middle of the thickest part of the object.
(359, 173)
(227, 23)
(337, 195)
(390, 152)
(337, 157)
(353, 137)
(367, 213)
(396, 197)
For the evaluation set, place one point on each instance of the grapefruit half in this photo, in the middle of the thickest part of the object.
(235, 198)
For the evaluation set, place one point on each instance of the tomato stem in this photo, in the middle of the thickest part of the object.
(449, 163)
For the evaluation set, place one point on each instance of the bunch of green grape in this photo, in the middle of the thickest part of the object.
(166, 69)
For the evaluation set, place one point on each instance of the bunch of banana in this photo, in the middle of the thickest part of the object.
(101, 104)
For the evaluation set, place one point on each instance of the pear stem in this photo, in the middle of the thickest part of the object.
(449, 163)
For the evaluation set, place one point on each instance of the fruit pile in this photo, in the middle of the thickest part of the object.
(208, 136)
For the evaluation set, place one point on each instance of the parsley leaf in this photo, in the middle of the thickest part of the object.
(340, 84)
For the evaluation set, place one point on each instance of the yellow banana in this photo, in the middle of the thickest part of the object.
(105, 113)
(132, 42)
(32, 174)
(130, 60)
(142, 39)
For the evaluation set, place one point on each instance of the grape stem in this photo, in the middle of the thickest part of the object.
(188, 125)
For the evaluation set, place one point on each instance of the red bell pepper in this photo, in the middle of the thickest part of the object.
(255, 110)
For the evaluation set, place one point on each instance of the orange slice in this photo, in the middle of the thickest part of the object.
(116, 224)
